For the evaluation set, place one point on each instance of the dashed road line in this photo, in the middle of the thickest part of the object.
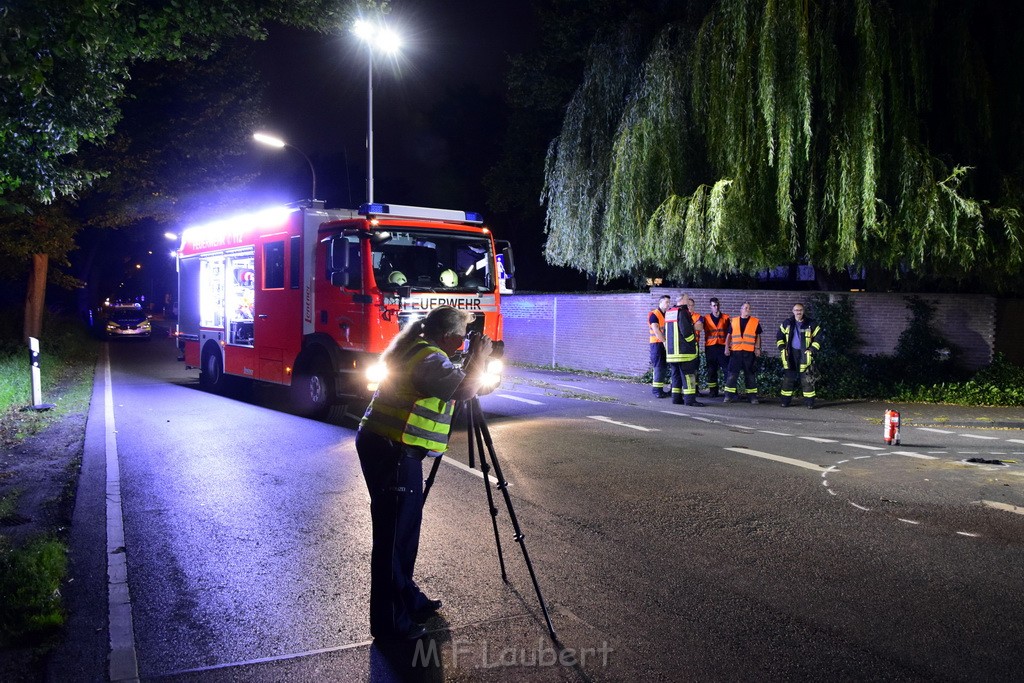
(778, 458)
(937, 431)
(765, 431)
(1016, 440)
(908, 521)
(864, 446)
(602, 418)
(921, 456)
(979, 436)
(817, 439)
(859, 507)
(1015, 509)
(521, 400)
(466, 468)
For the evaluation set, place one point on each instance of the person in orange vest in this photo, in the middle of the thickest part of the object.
(656, 325)
(743, 346)
(799, 340)
(681, 351)
(716, 329)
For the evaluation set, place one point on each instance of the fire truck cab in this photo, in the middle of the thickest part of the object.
(308, 297)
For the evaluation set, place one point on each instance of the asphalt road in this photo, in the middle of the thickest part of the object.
(723, 543)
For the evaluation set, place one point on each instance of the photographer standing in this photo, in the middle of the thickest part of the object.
(408, 419)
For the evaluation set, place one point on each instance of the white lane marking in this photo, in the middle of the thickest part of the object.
(817, 439)
(937, 431)
(123, 663)
(573, 386)
(979, 436)
(908, 454)
(765, 431)
(701, 419)
(602, 418)
(521, 400)
(865, 447)
(1016, 440)
(859, 507)
(863, 457)
(939, 452)
(908, 521)
(750, 428)
(466, 468)
(968, 533)
(777, 458)
(1015, 509)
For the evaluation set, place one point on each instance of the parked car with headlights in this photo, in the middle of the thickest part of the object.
(123, 320)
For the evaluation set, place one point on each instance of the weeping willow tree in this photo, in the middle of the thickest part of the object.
(871, 133)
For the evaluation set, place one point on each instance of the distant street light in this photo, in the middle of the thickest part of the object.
(271, 141)
(377, 36)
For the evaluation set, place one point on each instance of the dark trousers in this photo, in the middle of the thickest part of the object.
(660, 366)
(793, 376)
(715, 359)
(745, 362)
(394, 478)
(684, 382)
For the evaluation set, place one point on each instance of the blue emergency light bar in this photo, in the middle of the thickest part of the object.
(400, 211)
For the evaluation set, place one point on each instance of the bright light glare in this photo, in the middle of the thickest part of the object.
(171, 235)
(492, 375)
(375, 374)
(268, 140)
(378, 36)
(389, 41)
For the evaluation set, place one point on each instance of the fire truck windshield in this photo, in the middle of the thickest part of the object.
(434, 262)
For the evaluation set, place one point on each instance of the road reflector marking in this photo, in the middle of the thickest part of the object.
(817, 439)
(602, 418)
(908, 454)
(979, 436)
(778, 458)
(1015, 509)
(865, 447)
(765, 431)
(521, 400)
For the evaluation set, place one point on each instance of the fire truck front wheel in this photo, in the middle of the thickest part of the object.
(313, 393)
(211, 371)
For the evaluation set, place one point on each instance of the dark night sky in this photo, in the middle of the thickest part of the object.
(317, 86)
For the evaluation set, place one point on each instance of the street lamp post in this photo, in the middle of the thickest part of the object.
(277, 142)
(376, 36)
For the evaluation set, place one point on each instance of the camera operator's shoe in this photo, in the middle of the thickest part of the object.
(426, 610)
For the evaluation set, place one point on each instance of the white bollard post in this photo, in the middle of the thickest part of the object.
(37, 387)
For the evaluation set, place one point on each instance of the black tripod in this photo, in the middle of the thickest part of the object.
(480, 436)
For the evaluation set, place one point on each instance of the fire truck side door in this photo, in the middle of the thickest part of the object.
(278, 306)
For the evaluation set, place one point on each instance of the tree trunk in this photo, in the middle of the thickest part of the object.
(35, 297)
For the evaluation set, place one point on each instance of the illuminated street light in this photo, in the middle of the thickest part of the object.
(271, 141)
(377, 36)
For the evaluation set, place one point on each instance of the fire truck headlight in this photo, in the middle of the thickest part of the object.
(375, 374)
(492, 374)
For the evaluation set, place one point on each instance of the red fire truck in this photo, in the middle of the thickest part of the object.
(308, 297)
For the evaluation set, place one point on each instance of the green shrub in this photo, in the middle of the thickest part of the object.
(30, 580)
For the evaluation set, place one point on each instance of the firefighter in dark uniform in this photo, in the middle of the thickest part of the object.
(656, 327)
(743, 346)
(716, 329)
(408, 419)
(799, 340)
(681, 351)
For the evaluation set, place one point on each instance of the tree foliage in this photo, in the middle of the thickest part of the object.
(869, 133)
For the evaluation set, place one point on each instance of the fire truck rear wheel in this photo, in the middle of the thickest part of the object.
(211, 372)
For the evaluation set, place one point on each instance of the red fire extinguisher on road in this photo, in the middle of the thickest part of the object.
(891, 427)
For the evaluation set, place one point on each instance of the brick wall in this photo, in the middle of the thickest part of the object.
(608, 332)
